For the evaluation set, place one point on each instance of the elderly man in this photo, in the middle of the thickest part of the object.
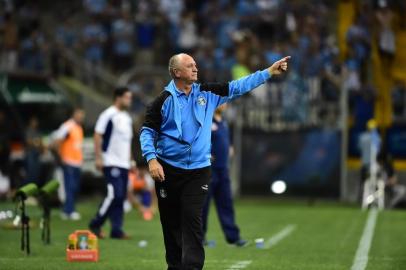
(175, 140)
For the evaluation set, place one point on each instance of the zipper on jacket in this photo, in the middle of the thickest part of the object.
(190, 155)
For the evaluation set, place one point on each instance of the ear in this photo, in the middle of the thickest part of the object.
(177, 73)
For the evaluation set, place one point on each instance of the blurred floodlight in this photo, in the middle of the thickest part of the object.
(278, 187)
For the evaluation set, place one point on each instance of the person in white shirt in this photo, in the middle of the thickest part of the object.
(112, 139)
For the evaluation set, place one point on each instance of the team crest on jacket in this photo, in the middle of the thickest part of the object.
(201, 101)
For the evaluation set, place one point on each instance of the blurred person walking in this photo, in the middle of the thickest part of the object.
(8, 54)
(5, 149)
(33, 150)
(112, 139)
(69, 141)
(220, 185)
(370, 146)
(395, 189)
(175, 141)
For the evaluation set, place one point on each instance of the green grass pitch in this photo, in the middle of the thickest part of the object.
(325, 236)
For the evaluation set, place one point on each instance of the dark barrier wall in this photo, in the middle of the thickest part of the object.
(394, 141)
(308, 161)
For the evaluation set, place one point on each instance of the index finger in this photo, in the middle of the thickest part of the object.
(284, 59)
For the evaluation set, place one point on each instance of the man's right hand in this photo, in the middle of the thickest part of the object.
(156, 170)
(99, 164)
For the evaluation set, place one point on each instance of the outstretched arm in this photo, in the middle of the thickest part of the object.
(237, 88)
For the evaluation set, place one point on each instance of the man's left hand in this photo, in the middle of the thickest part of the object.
(279, 66)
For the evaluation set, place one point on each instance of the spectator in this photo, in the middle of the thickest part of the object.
(146, 34)
(242, 67)
(95, 7)
(227, 25)
(224, 60)
(28, 17)
(352, 80)
(32, 52)
(8, 55)
(173, 10)
(331, 79)
(364, 103)
(162, 39)
(66, 38)
(359, 44)
(246, 9)
(123, 45)
(224, 31)
(188, 38)
(94, 38)
(294, 94)
(206, 60)
(386, 38)
(273, 51)
(66, 34)
(34, 147)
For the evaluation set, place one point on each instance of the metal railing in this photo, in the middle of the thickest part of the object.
(93, 75)
(279, 108)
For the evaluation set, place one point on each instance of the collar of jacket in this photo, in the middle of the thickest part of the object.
(173, 90)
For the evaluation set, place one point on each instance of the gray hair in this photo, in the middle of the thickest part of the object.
(174, 64)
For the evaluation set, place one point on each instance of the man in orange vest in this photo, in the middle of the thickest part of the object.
(69, 139)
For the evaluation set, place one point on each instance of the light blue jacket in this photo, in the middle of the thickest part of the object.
(161, 133)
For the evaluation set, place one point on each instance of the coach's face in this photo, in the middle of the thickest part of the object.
(187, 69)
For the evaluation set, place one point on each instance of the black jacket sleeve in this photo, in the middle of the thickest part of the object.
(153, 117)
(221, 89)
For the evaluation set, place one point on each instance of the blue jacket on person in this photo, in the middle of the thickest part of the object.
(220, 144)
(161, 134)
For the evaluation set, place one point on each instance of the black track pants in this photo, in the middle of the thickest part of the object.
(180, 199)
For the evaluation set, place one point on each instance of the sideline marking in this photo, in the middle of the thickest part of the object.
(361, 257)
(280, 236)
(239, 265)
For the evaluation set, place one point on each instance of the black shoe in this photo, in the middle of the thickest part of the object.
(98, 232)
(240, 243)
(123, 236)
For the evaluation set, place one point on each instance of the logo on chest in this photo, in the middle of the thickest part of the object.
(201, 101)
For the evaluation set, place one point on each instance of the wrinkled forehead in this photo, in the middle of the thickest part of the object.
(186, 60)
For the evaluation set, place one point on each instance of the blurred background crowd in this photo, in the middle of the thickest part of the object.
(346, 55)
